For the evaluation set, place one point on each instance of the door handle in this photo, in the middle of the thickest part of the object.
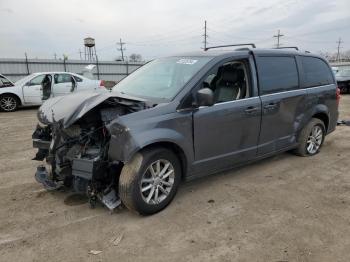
(251, 110)
(270, 106)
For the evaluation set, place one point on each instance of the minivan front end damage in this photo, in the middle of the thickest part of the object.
(75, 155)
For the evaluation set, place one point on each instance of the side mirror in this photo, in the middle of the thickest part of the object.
(205, 97)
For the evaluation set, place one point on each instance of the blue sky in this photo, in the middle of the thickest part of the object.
(157, 28)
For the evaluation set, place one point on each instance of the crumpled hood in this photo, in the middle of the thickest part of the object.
(70, 108)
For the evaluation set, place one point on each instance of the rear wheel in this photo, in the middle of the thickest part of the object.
(311, 138)
(8, 103)
(149, 182)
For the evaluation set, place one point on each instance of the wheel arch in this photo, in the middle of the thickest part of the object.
(175, 148)
(13, 94)
(323, 116)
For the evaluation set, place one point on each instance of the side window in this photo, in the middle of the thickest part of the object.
(36, 80)
(316, 72)
(63, 78)
(277, 74)
(229, 82)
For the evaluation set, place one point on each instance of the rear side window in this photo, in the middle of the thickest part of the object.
(277, 74)
(316, 72)
(63, 78)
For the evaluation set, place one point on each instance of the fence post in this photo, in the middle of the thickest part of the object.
(98, 69)
(64, 64)
(27, 65)
(127, 68)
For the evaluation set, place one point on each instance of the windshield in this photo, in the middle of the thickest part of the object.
(24, 80)
(162, 78)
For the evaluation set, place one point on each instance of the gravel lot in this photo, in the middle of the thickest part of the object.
(285, 208)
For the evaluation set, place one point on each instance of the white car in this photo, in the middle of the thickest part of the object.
(37, 87)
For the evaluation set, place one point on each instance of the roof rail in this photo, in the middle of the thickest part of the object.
(219, 46)
(288, 47)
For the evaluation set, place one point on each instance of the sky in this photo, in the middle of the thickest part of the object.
(155, 28)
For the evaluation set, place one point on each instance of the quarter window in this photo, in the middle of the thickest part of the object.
(316, 72)
(78, 79)
(277, 74)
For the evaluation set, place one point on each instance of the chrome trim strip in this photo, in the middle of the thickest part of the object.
(296, 90)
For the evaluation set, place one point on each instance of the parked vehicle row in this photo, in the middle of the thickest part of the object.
(183, 117)
(35, 88)
(342, 76)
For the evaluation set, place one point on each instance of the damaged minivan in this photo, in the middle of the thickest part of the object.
(183, 117)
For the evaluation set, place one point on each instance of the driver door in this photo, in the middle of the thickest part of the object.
(63, 84)
(227, 133)
(32, 92)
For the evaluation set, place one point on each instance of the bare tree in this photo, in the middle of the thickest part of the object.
(135, 58)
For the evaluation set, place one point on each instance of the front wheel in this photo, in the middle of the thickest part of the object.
(311, 138)
(8, 103)
(148, 183)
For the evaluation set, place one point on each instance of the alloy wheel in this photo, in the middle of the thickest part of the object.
(8, 103)
(314, 140)
(157, 181)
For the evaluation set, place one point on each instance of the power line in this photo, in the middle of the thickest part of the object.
(339, 42)
(121, 49)
(278, 36)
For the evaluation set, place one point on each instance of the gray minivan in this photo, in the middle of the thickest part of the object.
(183, 117)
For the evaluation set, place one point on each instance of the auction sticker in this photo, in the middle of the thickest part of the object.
(187, 61)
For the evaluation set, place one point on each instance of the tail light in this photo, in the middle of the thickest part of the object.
(102, 84)
(338, 95)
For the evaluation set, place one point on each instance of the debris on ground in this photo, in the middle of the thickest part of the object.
(343, 123)
(95, 252)
(118, 239)
(211, 201)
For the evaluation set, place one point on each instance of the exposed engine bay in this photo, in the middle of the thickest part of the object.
(76, 156)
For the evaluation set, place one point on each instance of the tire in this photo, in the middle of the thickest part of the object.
(9, 103)
(305, 138)
(137, 176)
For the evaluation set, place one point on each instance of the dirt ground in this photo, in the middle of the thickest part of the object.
(285, 208)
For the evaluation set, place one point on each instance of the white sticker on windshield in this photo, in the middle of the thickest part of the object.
(187, 61)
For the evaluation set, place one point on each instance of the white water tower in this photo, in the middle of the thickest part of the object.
(90, 49)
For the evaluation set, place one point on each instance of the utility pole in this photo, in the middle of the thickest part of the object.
(80, 53)
(339, 42)
(55, 56)
(278, 36)
(205, 35)
(121, 49)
